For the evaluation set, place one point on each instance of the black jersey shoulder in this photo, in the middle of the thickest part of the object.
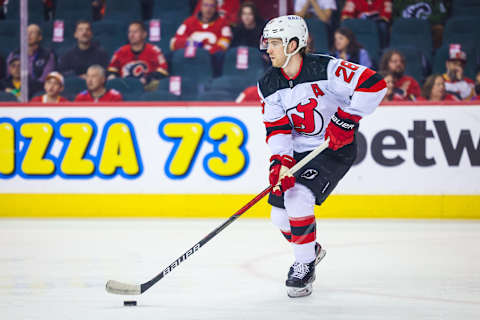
(314, 68)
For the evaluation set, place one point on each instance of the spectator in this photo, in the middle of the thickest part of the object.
(477, 86)
(393, 94)
(269, 9)
(41, 61)
(346, 47)
(250, 27)
(455, 81)
(96, 91)
(393, 61)
(436, 11)
(250, 94)
(138, 59)
(98, 9)
(378, 10)
(53, 86)
(322, 9)
(12, 83)
(206, 30)
(434, 90)
(49, 9)
(2, 9)
(227, 9)
(2, 68)
(86, 53)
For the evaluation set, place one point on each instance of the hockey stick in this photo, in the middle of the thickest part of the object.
(117, 287)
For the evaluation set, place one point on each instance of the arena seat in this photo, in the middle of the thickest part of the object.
(159, 95)
(7, 97)
(230, 83)
(189, 88)
(130, 88)
(366, 33)
(217, 95)
(255, 68)
(459, 30)
(167, 31)
(9, 28)
(172, 10)
(110, 27)
(126, 10)
(72, 10)
(466, 8)
(8, 45)
(319, 33)
(198, 68)
(414, 33)
(73, 86)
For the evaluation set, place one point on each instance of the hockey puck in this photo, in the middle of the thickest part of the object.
(130, 303)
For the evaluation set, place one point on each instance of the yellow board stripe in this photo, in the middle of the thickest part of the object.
(222, 206)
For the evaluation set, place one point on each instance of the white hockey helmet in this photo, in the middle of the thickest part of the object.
(286, 28)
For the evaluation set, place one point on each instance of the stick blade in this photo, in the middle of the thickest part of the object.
(117, 287)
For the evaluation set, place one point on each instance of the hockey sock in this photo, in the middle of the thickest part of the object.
(299, 203)
(279, 218)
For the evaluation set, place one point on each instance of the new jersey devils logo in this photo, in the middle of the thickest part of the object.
(305, 118)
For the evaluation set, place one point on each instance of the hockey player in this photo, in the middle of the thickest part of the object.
(307, 98)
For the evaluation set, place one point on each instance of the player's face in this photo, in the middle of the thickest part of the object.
(136, 35)
(53, 87)
(83, 33)
(275, 52)
(95, 79)
(208, 9)
(395, 64)
(341, 42)
(438, 88)
(247, 16)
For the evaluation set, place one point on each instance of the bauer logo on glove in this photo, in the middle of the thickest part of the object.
(341, 129)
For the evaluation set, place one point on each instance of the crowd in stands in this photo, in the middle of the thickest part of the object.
(134, 50)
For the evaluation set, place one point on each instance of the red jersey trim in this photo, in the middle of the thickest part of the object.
(298, 73)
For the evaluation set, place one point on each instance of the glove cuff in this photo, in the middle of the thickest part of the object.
(345, 115)
(284, 160)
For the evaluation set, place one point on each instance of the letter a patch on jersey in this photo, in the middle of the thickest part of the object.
(316, 90)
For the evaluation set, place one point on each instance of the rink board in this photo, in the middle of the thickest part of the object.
(223, 206)
(209, 159)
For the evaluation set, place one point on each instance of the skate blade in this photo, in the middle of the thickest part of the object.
(320, 256)
(299, 292)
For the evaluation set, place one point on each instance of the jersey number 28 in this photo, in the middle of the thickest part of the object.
(347, 74)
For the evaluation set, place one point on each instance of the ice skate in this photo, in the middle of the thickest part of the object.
(300, 279)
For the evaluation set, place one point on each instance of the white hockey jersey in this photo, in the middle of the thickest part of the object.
(296, 111)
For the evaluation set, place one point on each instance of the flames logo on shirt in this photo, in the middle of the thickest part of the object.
(135, 69)
(305, 118)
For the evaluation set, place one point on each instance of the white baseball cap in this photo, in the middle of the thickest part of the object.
(56, 75)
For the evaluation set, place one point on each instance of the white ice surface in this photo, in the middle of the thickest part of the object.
(380, 269)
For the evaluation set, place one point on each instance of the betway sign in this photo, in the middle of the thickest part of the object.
(417, 150)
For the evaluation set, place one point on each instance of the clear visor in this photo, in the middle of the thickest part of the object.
(263, 43)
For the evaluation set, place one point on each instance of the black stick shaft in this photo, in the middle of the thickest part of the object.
(145, 286)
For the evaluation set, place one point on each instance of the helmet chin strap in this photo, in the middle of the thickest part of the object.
(289, 55)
